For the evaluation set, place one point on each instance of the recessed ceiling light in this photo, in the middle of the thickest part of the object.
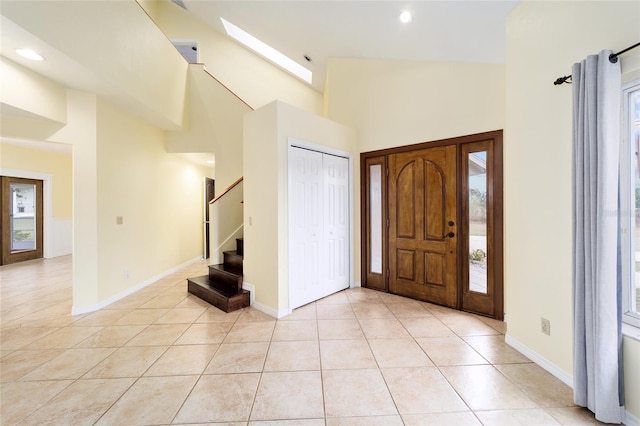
(30, 54)
(267, 51)
(405, 17)
(210, 162)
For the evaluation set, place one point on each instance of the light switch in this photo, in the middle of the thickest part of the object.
(119, 220)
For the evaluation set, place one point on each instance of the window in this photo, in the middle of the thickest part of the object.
(630, 202)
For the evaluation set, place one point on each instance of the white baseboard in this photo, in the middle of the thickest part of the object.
(263, 308)
(540, 360)
(630, 420)
(277, 314)
(252, 289)
(356, 284)
(131, 290)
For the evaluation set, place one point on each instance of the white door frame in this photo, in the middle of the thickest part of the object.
(297, 143)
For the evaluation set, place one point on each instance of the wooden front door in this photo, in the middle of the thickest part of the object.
(422, 232)
(432, 222)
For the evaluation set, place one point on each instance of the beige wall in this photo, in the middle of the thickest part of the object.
(115, 48)
(254, 79)
(81, 132)
(266, 133)
(396, 103)
(214, 126)
(53, 163)
(158, 195)
(261, 165)
(32, 106)
(28, 91)
(120, 168)
(544, 39)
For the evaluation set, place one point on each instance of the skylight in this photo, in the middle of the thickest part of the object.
(267, 51)
(30, 54)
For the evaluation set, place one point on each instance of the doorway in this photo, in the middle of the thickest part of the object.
(432, 222)
(188, 49)
(21, 203)
(209, 194)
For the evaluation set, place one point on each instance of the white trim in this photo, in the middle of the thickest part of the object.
(629, 252)
(540, 360)
(270, 311)
(629, 419)
(252, 290)
(263, 308)
(631, 331)
(47, 194)
(356, 284)
(131, 290)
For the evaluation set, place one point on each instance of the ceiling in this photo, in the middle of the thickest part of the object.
(469, 31)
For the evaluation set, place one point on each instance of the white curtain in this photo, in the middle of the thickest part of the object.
(597, 328)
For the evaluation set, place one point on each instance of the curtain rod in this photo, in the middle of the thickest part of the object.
(613, 58)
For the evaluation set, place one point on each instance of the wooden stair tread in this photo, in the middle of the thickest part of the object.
(203, 287)
(227, 269)
(222, 287)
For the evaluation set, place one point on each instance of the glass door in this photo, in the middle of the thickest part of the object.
(21, 219)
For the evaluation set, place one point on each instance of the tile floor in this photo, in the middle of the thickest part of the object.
(162, 356)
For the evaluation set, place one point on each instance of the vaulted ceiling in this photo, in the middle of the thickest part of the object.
(472, 31)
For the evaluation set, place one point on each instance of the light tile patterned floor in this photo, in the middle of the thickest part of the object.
(162, 356)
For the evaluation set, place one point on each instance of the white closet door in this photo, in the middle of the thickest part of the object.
(306, 276)
(319, 235)
(336, 222)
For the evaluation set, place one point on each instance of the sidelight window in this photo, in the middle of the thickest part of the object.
(477, 220)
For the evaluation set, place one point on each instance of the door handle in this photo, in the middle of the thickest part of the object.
(449, 235)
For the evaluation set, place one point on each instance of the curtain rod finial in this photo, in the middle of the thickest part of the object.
(561, 80)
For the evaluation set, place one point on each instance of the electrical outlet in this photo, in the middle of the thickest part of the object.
(126, 274)
(119, 220)
(545, 326)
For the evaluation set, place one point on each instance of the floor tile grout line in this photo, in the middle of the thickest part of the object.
(48, 401)
(439, 369)
(350, 302)
(322, 389)
(255, 395)
(184, 401)
(73, 381)
(395, 404)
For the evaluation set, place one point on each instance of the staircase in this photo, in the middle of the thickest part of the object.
(223, 286)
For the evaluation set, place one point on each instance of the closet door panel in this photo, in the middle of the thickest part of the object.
(336, 222)
(307, 252)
